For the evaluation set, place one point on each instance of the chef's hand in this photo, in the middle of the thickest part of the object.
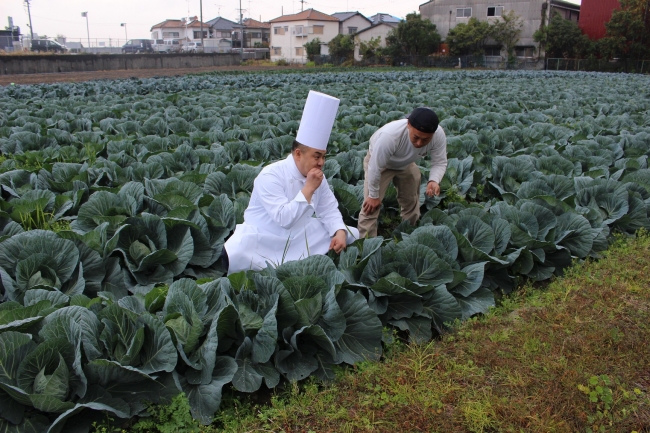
(314, 179)
(432, 188)
(339, 241)
(371, 204)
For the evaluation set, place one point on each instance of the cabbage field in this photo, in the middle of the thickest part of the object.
(117, 197)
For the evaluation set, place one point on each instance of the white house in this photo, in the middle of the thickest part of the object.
(289, 34)
(185, 30)
(351, 22)
(379, 30)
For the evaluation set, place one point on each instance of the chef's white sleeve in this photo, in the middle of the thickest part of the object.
(328, 210)
(272, 195)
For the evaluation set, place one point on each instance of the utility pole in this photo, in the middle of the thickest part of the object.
(126, 35)
(85, 15)
(31, 30)
(241, 23)
(201, 15)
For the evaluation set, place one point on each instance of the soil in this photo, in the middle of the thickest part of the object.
(75, 77)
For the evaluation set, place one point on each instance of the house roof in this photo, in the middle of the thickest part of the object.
(220, 23)
(309, 14)
(565, 4)
(178, 24)
(391, 25)
(250, 22)
(384, 18)
(342, 16)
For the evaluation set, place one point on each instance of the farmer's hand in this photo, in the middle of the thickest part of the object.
(371, 204)
(432, 188)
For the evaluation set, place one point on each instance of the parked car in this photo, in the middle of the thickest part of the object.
(173, 46)
(45, 45)
(192, 47)
(137, 46)
(159, 46)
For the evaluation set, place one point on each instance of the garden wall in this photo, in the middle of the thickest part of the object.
(52, 63)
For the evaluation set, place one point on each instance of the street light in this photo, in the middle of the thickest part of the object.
(85, 15)
(125, 34)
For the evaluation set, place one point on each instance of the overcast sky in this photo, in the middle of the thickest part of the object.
(53, 17)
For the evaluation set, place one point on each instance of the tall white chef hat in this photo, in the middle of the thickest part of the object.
(317, 120)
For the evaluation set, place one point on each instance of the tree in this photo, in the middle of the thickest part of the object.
(506, 31)
(313, 49)
(465, 39)
(628, 31)
(563, 38)
(371, 48)
(413, 37)
(342, 46)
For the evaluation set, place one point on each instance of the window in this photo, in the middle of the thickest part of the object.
(318, 30)
(256, 35)
(297, 30)
(277, 51)
(492, 51)
(300, 51)
(197, 35)
(278, 30)
(235, 35)
(171, 35)
(154, 35)
(525, 51)
(463, 12)
(352, 30)
(495, 11)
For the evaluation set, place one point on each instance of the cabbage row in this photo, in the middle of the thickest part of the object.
(117, 198)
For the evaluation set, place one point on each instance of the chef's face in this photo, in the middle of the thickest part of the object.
(307, 158)
(418, 138)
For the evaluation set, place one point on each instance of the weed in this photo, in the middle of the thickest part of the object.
(174, 417)
(610, 402)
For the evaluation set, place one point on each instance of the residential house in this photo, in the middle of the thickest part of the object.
(291, 32)
(384, 18)
(351, 22)
(379, 30)
(256, 32)
(593, 16)
(446, 14)
(183, 29)
(226, 33)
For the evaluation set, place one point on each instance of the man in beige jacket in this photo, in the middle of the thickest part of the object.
(393, 150)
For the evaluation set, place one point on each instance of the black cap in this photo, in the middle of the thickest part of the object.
(424, 120)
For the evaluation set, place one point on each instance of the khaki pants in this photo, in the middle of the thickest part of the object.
(407, 183)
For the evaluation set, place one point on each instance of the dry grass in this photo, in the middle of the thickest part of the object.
(571, 357)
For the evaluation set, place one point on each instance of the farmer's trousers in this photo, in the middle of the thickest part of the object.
(407, 183)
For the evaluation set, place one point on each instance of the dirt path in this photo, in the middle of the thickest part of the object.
(75, 77)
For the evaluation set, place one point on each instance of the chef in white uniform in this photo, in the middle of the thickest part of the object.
(292, 213)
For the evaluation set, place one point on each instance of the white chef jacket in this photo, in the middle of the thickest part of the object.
(280, 225)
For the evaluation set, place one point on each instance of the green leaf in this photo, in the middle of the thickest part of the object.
(361, 340)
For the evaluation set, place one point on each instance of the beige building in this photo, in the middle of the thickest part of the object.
(379, 30)
(184, 30)
(447, 14)
(351, 22)
(289, 34)
(256, 32)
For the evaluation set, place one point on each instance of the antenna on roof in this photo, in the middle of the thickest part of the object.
(302, 5)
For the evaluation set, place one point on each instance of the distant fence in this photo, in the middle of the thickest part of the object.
(54, 63)
(599, 65)
(458, 62)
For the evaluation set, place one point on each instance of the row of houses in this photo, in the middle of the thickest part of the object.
(286, 35)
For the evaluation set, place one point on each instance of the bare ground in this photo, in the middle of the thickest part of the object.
(75, 77)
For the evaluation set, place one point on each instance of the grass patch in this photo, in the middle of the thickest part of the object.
(570, 357)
